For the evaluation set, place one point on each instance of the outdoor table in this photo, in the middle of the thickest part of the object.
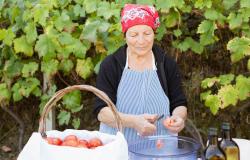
(244, 145)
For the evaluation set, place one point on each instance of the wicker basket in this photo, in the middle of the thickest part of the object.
(59, 94)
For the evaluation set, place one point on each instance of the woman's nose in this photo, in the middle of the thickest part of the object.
(141, 39)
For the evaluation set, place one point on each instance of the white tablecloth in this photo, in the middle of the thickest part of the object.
(243, 144)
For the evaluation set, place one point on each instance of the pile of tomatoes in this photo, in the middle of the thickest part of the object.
(74, 141)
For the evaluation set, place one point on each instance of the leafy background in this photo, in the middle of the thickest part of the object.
(46, 45)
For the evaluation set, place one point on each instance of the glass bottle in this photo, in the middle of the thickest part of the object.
(213, 151)
(227, 144)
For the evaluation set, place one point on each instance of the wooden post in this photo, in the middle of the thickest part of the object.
(50, 119)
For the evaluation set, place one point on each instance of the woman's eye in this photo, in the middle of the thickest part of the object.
(147, 33)
(133, 35)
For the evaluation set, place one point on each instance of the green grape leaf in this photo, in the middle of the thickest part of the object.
(64, 3)
(66, 66)
(228, 95)
(234, 20)
(64, 117)
(239, 47)
(245, 3)
(52, 3)
(245, 12)
(46, 47)
(148, 2)
(37, 92)
(179, 3)
(226, 79)
(27, 16)
(104, 26)
(16, 94)
(79, 11)
(76, 123)
(62, 20)
(65, 38)
(90, 6)
(13, 68)
(214, 103)
(167, 4)
(229, 3)
(80, 48)
(77, 109)
(212, 14)
(160, 32)
(116, 11)
(29, 69)
(5, 94)
(8, 36)
(204, 95)
(72, 100)
(177, 32)
(194, 46)
(207, 38)
(163, 4)
(22, 46)
(14, 12)
(41, 13)
(206, 26)
(236, 57)
(123, 2)
(172, 19)
(209, 82)
(25, 87)
(50, 67)
(89, 32)
(84, 67)
(114, 42)
(1, 4)
(104, 9)
(97, 67)
(3, 33)
(31, 33)
(243, 87)
(202, 4)
(183, 46)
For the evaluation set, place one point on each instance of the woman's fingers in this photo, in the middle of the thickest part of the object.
(143, 125)
(150, 117)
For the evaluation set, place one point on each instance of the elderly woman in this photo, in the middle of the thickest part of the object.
(141, 80)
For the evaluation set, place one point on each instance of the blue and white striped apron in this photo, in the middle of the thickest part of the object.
(140, 93)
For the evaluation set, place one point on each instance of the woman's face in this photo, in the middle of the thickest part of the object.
(140, 39)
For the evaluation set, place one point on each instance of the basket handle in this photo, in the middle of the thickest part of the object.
(59, 94)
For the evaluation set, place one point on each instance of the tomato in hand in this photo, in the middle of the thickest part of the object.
(159, 144)
(168, 122)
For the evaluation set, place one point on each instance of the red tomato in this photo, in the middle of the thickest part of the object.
(95, 142)
(54, 141)
(83, 143)
(70, 142)
(70, 137)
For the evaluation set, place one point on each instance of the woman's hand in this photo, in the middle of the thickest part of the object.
(174, 123)
(144, 124)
